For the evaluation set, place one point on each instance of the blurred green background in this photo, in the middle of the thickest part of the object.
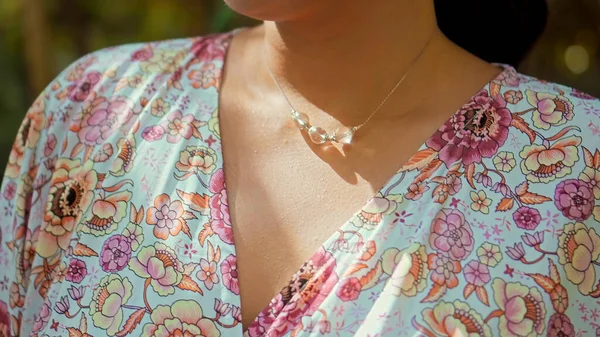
(39, 38)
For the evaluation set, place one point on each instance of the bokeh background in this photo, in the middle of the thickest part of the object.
(38, 38)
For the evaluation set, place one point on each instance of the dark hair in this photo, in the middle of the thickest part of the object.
(496, 31)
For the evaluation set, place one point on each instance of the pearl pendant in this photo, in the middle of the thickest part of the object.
(344, 135)
(317, 135)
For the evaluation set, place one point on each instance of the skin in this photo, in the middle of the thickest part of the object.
(336, 60)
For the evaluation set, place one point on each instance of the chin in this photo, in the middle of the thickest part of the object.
(273, 10)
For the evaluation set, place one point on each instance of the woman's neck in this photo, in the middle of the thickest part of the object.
(344, 59)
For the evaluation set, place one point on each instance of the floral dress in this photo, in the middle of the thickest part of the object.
(114, 215)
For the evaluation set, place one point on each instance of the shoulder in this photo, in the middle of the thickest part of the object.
(101, 71)
(109, 89)
(549, 109)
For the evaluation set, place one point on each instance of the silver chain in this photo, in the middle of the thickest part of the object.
(410, 66)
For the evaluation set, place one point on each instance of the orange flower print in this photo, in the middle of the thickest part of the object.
(560, 298)
(443, 270)
(125, 156)
(372, 214)
(213, 124)
(163, 61)
(206, 77)
(407, 269)
(578, 248)
(543, 163)
(489, 254)
(159, 107)
(551, 110)
(24, 190)
(480, 202)
(70, 195)
(198, 159)
(168, 217)
(4, 319)
(183, 318)
(160, 264)
(591, 176)
(110, 294)
(456, 319)
(523, 309)
(106, 214)
(416, 190)
(208, 273)
(27, 137)
(13, 167)
(34, 123)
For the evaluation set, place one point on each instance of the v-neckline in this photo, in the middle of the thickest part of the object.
(395, 180)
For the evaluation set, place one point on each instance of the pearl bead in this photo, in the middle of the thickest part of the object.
(317, 135)
(300, 119)
(344, 135)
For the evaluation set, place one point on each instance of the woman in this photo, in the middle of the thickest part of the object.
(172, 188)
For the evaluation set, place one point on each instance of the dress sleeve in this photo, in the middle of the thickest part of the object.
(29, 213)
(22, 211)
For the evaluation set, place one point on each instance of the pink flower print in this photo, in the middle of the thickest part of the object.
(103, 154)
(209, 48)
(266, 318)
(483, 179)
(50, 145)
(219, 207)
(456, 319)
(454, 184)
(550, 110)
(574, 198)
(76, 293)
(76, 271)
(443, 270)
(206, 77)
(81, 89)
(42, 318)
(62, 305)
(142, 54)
(153, 133)
(510, 78)
(286, 312)
(102, 117)
(523, 307)
(322, 283)
(230, 274)
(517, 252)
(115, 253)
(527, 218)
(4, 319)
(10, 190)
(207, 273)
(179, 126)
(477, 273)
(160, 264)
(476, 131)
(451, 235)
(502, 189)
(533, 240)
(168, 217)
(559, 325)
(513, 97)
(349, 289)
(416, 190)
(222, 308)
(581, 94)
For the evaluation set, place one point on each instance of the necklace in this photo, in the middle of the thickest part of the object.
(343, 134)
